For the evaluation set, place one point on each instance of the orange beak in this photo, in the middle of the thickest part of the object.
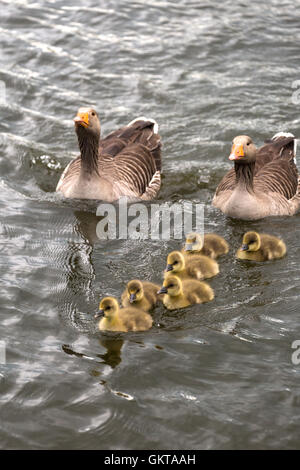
(237, 152)
(82, 119)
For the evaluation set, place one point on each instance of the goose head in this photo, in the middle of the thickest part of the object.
(251, 242)
(135, 291)
(175, 262)
(172, 286)
(194, 242)
(243, 149)
(87, 122)
(108, 308)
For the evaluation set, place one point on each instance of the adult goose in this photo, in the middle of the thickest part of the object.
(125, 163)
(264, 182)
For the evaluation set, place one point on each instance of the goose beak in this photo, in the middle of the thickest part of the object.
(132, 298)
(188, 247)
(99, 314)
(162, 290)
(237, 152)
(169, 267)
(82, 119)
(245, 247)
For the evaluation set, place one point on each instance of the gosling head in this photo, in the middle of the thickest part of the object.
(87, 122)
(251, 242)
(243, 149)
(175, 262)
(108, 308)
(135, 291)
(194, 242)
(172, 286)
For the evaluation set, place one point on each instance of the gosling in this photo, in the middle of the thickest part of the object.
(261, 247)
(196, 267)
(140, 294)
(124, 319)
(211, 245)
(180, 294)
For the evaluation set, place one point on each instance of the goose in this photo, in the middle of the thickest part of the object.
(211, 245)
(196, 266)
(180, 294)
(140, 294)
(124, 319)
(127, 163)
(264, 182)
(261, 247)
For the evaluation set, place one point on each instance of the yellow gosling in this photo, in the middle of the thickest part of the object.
(180, 294)
(210, 244)
(124, 319)
(196, 266)
(140, 294)
(261, 247)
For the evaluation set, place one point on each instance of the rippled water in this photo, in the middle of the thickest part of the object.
(213, 376)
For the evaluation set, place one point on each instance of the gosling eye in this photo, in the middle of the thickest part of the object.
(107, 308)
(171, 285)
(175, 262)
(138, 290)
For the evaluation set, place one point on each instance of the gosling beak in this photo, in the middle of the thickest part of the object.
(82, 119)
(237, 152)
(99, 314)
(162, 290)
(169, 267)
(188, 247)
(245, 247)
(132, 298)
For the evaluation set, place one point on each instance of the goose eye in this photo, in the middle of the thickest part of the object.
(93, 114)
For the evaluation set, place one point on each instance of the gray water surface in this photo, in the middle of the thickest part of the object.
(215, 376)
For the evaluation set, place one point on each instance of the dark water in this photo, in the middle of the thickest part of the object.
(213, 376)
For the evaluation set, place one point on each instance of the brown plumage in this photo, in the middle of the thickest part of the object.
(125, 163)
(263, 182)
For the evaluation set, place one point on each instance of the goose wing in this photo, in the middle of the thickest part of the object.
(142, 131)
(132, 172)
(280, 174)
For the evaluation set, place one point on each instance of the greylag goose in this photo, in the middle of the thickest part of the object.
(196, 266)
(180, 294)
(211, 245)
(140, 294)
(261, 247)
(126, 163)
(125, 319)
(264, 182)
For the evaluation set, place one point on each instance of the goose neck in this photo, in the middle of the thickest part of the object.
(89, 152)
(244, 173)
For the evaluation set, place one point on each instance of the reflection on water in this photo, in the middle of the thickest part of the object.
(112, 357)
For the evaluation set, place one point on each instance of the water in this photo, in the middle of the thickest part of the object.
(213, 376)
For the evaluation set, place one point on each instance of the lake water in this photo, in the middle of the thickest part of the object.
(213, 376)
